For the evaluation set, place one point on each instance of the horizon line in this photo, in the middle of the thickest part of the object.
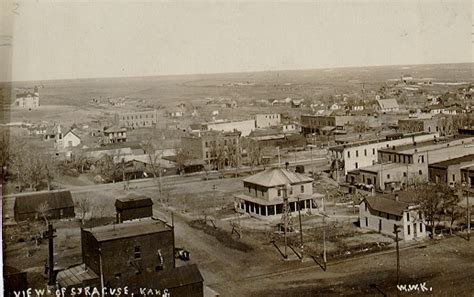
(230, 72)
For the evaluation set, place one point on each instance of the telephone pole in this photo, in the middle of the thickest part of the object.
(301, 229)
(396, 230)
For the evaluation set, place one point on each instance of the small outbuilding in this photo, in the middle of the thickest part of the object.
(133, 207)
(59, 205)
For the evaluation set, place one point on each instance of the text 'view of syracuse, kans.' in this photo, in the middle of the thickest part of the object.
(175, 156)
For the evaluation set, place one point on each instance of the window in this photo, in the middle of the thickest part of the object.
(388, 176)
(454, 177)
(420, 215)
(302, 188)
(420, 172)
(348, 154)
(279, 193)
(422, 159)
(137, 253)
(365, 206)
(408, 229)
(421, 227)
(404, 174)
(357, 153)
(365, 152)
(373, 151)
(366, 222)
(389, 157)
(408, 216)
(356, 165)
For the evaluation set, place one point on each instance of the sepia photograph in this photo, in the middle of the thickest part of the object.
(237, 148)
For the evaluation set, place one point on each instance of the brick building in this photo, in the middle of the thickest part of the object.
(135, 254)
(434, 124)
(267, 120)
(203, 145)
(136, 119)
(454, 171)
(320, 124)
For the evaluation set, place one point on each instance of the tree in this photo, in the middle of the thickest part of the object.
(254, 153)
(218, 154)
(182, 156)
(50, 166)
(34, 172)
(83, 205)
(360, 126)
(108, 170)
(43, 210)
(4, 152)
(430, 201)
(450, 205)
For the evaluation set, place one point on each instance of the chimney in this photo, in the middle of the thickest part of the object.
(396, 197)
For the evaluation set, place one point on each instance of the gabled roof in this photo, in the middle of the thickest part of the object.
(56, 200)
(73, 133)
(387, 203)
(387, 103)
(277, 177)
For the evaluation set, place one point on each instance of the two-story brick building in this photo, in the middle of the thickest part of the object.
(203, 145)
(114, 134)
(264, 193)
(136, 119)
(135, 254)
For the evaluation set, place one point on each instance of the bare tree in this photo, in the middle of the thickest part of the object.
(83, 205)
(182, 156)
(98, 209)
(34, 168)
(43, 209)
(360, 126)
(51, 169)
(218, 153)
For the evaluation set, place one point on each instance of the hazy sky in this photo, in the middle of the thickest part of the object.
(108, 39)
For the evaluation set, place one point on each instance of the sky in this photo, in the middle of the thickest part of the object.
(42, 40)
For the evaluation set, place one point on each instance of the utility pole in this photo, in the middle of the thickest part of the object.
(286, 218)
(214, 187)
(101, 273)
(278, 151)
(324, 242)
(301, 229)
(468, 213)
(50, 234)
(396, 230)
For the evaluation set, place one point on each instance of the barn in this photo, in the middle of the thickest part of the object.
(59, 204)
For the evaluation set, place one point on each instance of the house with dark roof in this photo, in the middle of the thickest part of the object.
(133, 207)
(265, 192)
(60, 205)
(381, 212)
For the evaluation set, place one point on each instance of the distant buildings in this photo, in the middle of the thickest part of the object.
(28, 99)
(329, 123)
(264, 193)
(267, 120)
(402, 165)
(136, 119)
(277, 138)
(244, 126)
(365, 153)
(381, 212)
(387, 105)
(433, 124)
(58, 205)
(69, 140)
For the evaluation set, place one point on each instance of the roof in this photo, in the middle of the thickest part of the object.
(386, 205)
(179, 276)
(447, 163)
(387, 103)
(277, 177)
(128, 229)
(114, 129)
(56, 200)
(76, 275)
(133, 201)
(380, 167)
(73, 133)
(437, 143)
